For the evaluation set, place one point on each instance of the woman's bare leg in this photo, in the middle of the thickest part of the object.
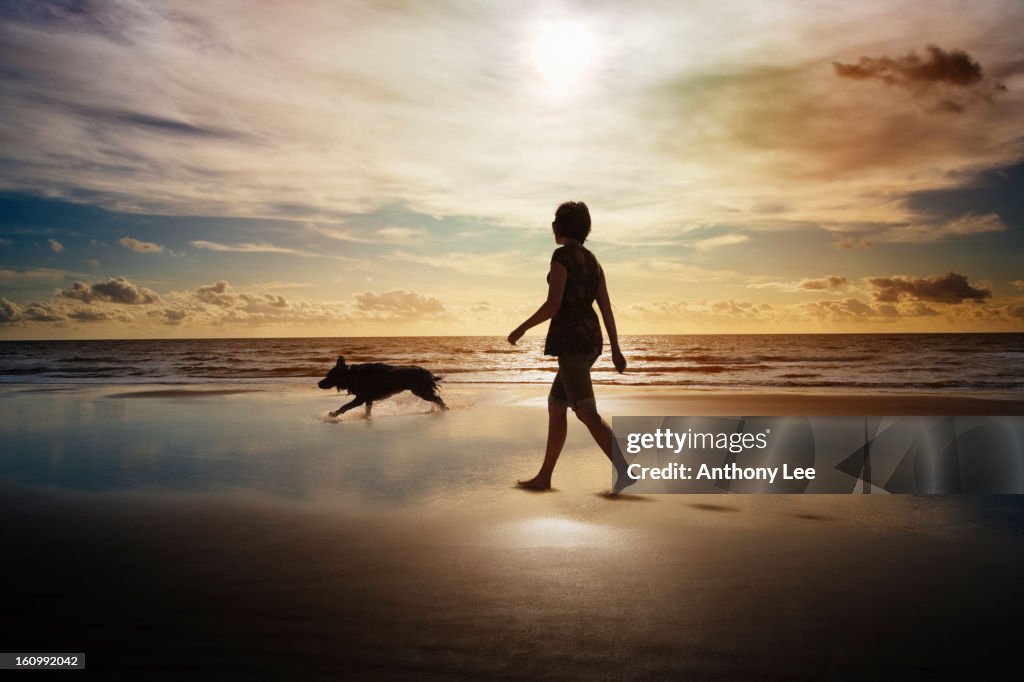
(558, 427)
(603, 436)
(586, 412)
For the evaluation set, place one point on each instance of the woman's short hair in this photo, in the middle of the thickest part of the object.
(572, 219)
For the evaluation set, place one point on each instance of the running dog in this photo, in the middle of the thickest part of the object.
(376, 381)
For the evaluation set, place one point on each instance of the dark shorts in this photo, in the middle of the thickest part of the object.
(572, 384)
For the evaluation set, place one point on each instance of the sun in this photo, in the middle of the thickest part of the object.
(562, 53)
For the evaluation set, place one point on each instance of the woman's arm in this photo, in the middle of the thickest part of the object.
(556, 287)
(605, 305)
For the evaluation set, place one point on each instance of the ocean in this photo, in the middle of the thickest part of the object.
(991, 364)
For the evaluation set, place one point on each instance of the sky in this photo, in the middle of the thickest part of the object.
(231, 169)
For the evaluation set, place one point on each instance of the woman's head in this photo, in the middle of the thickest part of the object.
(572, 219)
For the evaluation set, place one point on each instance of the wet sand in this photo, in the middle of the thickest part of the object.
(247, 536)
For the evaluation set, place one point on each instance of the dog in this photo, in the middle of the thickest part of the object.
(376, 381)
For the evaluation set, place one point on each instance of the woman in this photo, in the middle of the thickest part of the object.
(575, 281)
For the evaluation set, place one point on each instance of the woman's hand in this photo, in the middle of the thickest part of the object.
(618, 360)
(516, 334)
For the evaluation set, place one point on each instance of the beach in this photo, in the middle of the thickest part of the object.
(241, 533)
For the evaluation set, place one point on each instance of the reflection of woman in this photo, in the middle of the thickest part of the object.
(575, 281)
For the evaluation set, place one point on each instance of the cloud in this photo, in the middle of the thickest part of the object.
(848, 243)
(111, 290)
(830, 282)
(116, 301)
(949, 288)
(158, 123)
(174, 316)
(250, 248)
(839, 309)
(384, 235)
(963, 226)
(216, 294)
(10, 275)
(491, 263)
(806, 284)
(847, 310)
(137, 246)
(55, 245)
(727, 312)
(43, 311)
(92, 315)
(662, 270)
(943, 76)
(1019, 283)
(277, 284)
(9, 311)
(5, 242)
(401, 233)
(723, 104)
(720, 241)
(400, 303)
(955, 67)
(848, 313)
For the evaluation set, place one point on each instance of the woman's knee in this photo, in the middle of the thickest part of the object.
(587, 414)
(556, 409)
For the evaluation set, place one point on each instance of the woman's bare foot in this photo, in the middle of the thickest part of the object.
(535, 483)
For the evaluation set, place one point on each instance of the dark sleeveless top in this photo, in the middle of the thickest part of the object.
(574, 330)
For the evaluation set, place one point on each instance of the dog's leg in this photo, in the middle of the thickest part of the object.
(426, 394)
(346, 407)
(369, 406)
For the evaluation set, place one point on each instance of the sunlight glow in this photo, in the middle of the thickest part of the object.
(562, 54)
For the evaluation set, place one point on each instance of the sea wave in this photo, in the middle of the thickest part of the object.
(917, 362)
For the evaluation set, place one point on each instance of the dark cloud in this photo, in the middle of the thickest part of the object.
(111, 290)
(9, 311)
(945, 81)
(155, 123)
(955, 67)
(120, 290)
(110, 20)
(949, 288)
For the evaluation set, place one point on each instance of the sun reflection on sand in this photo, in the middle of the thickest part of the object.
(547, 531)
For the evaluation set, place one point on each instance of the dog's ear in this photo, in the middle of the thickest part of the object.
(341, 362)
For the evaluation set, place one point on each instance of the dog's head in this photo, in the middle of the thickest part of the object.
(336, 377)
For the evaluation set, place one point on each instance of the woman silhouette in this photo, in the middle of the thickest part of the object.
(575, 281)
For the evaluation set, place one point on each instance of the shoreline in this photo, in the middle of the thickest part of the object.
(830, 400)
